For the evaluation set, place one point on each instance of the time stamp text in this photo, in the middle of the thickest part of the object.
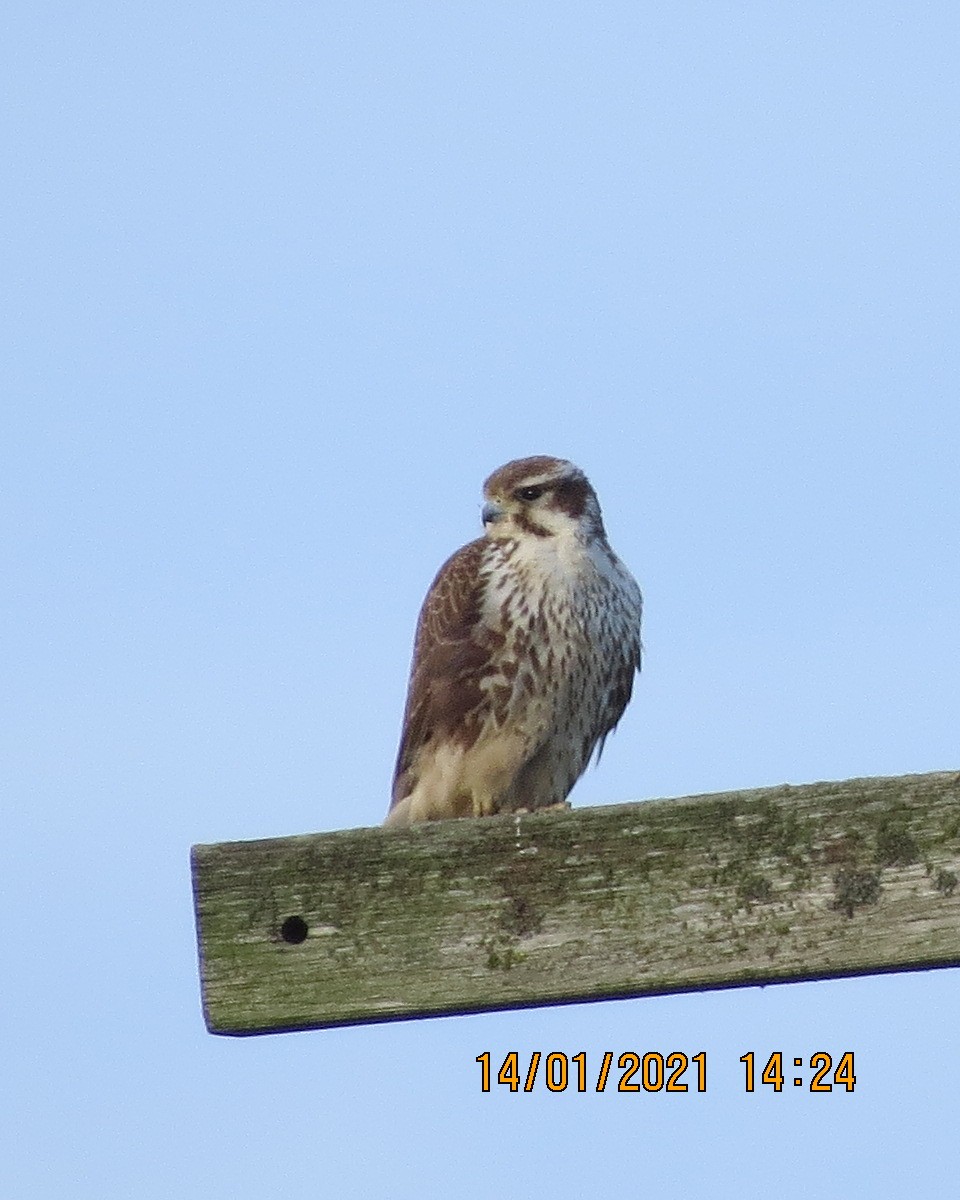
(656, 1072)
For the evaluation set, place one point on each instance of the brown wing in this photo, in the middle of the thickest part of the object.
(451, 655)
(621, 684)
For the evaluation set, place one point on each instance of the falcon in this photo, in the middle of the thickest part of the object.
(524, 657)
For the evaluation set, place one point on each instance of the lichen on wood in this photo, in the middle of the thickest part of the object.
(749, 887)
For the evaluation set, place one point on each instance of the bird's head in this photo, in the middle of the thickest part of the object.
(541, 497)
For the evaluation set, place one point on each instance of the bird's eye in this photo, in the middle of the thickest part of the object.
(529, 493)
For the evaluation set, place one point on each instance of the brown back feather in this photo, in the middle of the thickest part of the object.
(451, 656)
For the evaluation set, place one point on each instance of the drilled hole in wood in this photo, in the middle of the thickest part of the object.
(294, 930)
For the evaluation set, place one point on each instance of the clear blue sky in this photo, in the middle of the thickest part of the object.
(282, 283)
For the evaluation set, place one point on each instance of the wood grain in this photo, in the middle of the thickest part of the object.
(752, 887)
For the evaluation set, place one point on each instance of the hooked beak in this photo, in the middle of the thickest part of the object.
(491, 513)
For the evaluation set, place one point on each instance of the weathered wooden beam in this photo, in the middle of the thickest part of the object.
(752, 887)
